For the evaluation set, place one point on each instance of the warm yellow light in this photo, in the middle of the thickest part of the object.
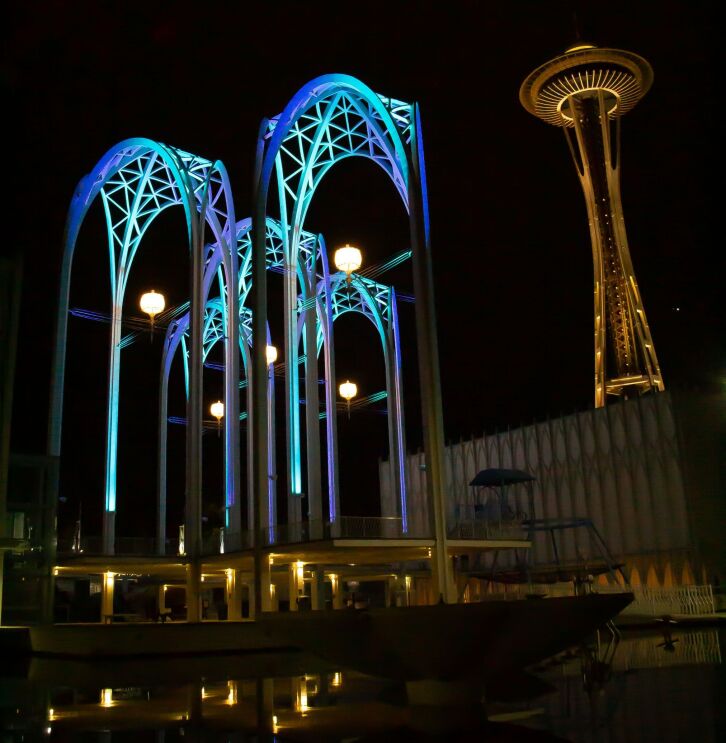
(300, 569)
(106, 697)
(579, 48)
(152, 303)
(109, 579)
(270, 354)
(348, 259)
(232, 693)
(274, 724)
(217, 410)
(337, 679)
(348, 390)
(301, 701)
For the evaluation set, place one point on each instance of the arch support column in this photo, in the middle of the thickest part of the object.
(428, 362)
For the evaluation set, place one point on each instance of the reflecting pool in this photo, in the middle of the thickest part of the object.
(646, 687)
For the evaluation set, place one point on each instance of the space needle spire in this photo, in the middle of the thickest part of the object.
(586, 91)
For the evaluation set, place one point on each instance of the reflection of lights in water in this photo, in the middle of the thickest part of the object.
(106, 697)
(301, 697)
(337, 679)
(232, 693)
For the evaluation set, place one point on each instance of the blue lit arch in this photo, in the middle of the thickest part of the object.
(137, 180)
(331, 118)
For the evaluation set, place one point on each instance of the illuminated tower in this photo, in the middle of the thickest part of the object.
(585, 92)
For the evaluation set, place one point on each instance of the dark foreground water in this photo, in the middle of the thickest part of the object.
(644, 689)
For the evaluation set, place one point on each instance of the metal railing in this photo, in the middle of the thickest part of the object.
(346, 527)
(122, 546)
(222, 541)
(488, 530)
(375, 527)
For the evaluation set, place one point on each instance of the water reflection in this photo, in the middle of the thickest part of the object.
(643, 688)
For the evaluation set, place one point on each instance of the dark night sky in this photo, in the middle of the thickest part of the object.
(512, 258)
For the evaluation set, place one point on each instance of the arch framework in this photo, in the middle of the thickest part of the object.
(137, 180)
(332, 118)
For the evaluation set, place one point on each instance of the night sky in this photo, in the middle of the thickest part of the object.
(511, 248)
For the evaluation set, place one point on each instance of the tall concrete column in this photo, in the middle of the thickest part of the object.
(108, 582)
(296, 583)
(234, 587)
(317, 588)
(266, 586)
(194, 585)
(336, 586)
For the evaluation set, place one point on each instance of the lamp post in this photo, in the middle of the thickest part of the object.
(348, 390)
(217, 410)
(152, 303)
(348, 259)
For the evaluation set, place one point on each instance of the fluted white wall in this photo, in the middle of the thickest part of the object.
(618, 465)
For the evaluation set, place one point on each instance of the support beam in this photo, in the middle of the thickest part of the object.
(234, 589)
(108, 583)
(312, 424)
(336, 586)
(317, 588)
(428, 362)
(194, 586)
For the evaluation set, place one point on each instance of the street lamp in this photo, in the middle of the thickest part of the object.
(270, 354)
(217, 410)
(152, 304)
(348, 390)
(348, 259)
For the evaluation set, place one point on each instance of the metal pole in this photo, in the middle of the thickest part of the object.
(257, 429)
(428, 360)
(193, 506)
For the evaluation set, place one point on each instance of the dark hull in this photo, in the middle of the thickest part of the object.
(447, 642)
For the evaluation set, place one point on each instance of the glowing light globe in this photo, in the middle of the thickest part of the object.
(270, 354)
(348, 259)
(152, 303)
(348, 390)
(217, 410)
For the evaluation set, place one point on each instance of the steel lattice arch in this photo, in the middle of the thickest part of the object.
(331, 118)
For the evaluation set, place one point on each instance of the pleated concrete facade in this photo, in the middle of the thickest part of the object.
(625, 466)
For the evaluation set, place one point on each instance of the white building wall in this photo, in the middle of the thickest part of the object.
(618, 465)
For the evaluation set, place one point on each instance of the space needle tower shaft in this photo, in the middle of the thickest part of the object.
(585, 92)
